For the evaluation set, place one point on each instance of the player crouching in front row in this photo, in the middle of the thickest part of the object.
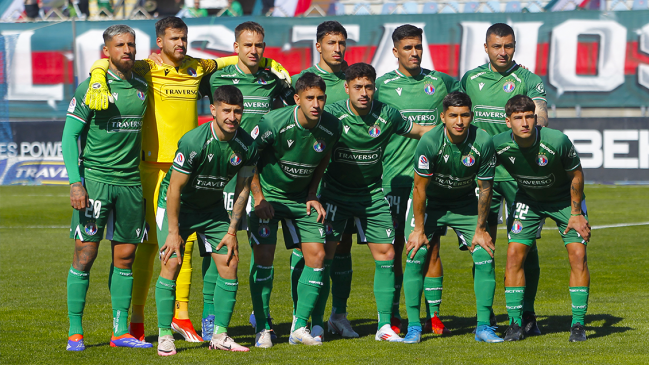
(550, 184)
(191, 200)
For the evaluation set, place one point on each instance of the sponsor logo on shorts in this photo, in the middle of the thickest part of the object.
(141, 95)
(423, 162)
(374, 131)
(395, 223)
(429, 89)
(517, 226)
(329, 228)
(264, 231)
(542, 160)
(235, 159)
(322, 232)
(468, 160)
(261, 81)
(137, 232)
(191, 72)
(509, 87)
(73, 104)
(180, 159)
(319, 145)
(90, 228)
(388, 232)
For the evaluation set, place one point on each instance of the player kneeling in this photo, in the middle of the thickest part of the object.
(191, 200)
(550, 184)
(449, 158)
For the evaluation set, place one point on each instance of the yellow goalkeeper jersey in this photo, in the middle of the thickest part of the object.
(171, 110)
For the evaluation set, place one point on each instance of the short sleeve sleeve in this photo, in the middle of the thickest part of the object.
(77, 109)
(452, 84)
(569, 157)
(186, 156)
(263, 134)
(535, 88)
(463, 82)
(487, 161)
(424, 164)
(253, 156)
(402, 125)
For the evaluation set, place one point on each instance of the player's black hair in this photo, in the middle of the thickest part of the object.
(309, 80)
(330, 27)
(456, 99)
(359, 70)
(117, 29)
(500, 30)
(248, 26)
(519, 103)
(228, 94)
(406, 31)
(169, 22)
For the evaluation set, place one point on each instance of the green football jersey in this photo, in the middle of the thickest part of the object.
(259, 91)
(356, 165)
(111, 139)
(419, 99)
(210, 164)
(335, 83)
(454, 168)
(291, 153)
(539, 170)
(490, 90)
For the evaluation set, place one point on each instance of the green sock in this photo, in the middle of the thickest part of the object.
(308, 291)
(261, 285)
(120, 297)
(78, 282)
(226, 292)
(341, 282)
(484, 284)
(210, 276)
(532, 274)
(514, 300)
(165, 297)
(297, 265)
(165, 332)
(317, 316)
(413, 285)
(433, 293)
(579, 298)
(384, 289)
(398, 282)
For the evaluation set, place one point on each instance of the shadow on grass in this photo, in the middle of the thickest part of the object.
(561, 324)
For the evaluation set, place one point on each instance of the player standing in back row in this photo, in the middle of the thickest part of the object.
(490, 86)
(418, 94)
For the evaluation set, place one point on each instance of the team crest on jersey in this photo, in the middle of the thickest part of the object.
(141, 95)
(180, 159)
(235, 159)
(517, 226)
(509, 87)
(429, 89)
(423, 162)
(261, 81)
(191, 72)
(542, 160)
(90, 228)
(264, 231)
(374, 131)
(468, 160)
(319, 145)
(329, 228)
(73, 104)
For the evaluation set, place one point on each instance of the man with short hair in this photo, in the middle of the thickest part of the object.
(490, 86)
(191, 200)
(295, 144)
(174, 85)
(351, 187)
(449, 159)
(105, 190)
(550, 184)
(417, 93)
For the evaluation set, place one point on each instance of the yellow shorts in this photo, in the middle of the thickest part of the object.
(152, 174)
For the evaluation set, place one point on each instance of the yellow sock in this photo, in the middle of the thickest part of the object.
(142, 273)
(184, 283)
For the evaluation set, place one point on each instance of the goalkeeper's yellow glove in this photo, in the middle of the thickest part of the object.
(277, 70)
(98, 95)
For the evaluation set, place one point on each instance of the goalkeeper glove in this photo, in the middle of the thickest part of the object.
(98, 94)
(279, 71)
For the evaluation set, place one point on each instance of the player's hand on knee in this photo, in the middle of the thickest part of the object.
(231, 242)
(173, 244)
(313, 202)
(415, 241)
(580, 225)
(482, 238)
(155, 57)
(264, 209)
(78, 196)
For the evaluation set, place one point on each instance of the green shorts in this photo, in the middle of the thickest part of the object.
(371, 217)
(462, 217)
(502, 190)
(119, 210)
(210, 227)
(297, 226)
(528, 216)
(398, 199)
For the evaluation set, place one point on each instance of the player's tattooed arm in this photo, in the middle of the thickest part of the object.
(312, 200)
(418, 236)
(577, 219)
(242, 192)
(481, 237)
(78, 196)
(263, 209)
(174, 242)
(85, 254)
(541, 112)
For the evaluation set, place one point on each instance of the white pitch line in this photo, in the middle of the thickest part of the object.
(34, 227)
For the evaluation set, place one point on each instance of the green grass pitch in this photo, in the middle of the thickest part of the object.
(35, 254)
